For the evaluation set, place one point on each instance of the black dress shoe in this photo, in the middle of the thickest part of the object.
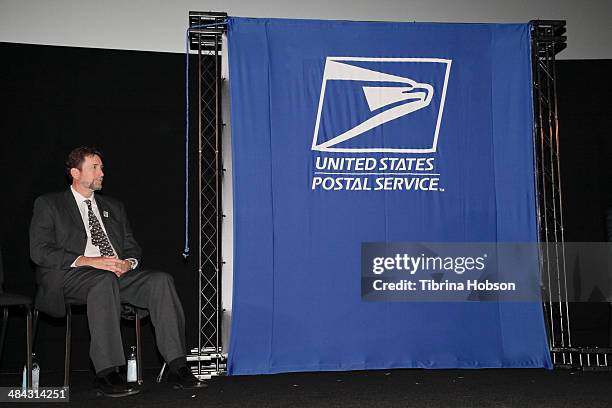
(112, 385)
(184, 378)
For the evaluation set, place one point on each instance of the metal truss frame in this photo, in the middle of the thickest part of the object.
(546, 42)
(205, 37)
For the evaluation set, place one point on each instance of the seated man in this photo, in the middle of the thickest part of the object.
(85, 253)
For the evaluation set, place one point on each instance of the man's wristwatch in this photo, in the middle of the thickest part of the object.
(133, 263)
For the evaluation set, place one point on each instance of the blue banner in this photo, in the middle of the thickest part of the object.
(345, 133)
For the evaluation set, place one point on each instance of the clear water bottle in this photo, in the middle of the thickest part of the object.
(35, 374)
(132, 370)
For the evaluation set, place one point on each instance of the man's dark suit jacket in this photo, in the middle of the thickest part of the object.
(58, 237)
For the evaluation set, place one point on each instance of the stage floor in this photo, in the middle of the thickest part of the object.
(382, 388)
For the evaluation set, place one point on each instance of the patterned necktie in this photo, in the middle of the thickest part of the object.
(98, 236)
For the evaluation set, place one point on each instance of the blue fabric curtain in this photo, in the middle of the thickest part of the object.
(446, 103)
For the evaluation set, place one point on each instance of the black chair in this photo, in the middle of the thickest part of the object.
(128, 312)
(9, 300)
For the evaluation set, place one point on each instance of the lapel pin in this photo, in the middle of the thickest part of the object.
(105, 214)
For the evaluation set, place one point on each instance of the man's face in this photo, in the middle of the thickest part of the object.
(90, 175)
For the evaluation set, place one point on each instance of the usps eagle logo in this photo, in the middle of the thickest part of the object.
(381, 104)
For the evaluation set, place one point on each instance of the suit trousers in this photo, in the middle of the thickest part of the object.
(103, 292)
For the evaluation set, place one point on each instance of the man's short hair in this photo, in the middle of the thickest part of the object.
(77, 156)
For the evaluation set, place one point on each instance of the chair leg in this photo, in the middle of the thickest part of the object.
(67, 354)
(4, 323)
(160, 376)
(29, 345)
(138, 349)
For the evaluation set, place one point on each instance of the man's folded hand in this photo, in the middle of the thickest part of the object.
(107, 263)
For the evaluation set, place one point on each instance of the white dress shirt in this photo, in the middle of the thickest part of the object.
(90, 248)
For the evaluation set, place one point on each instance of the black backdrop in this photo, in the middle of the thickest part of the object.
(132, 106)
(585, 117)
(129, 104)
